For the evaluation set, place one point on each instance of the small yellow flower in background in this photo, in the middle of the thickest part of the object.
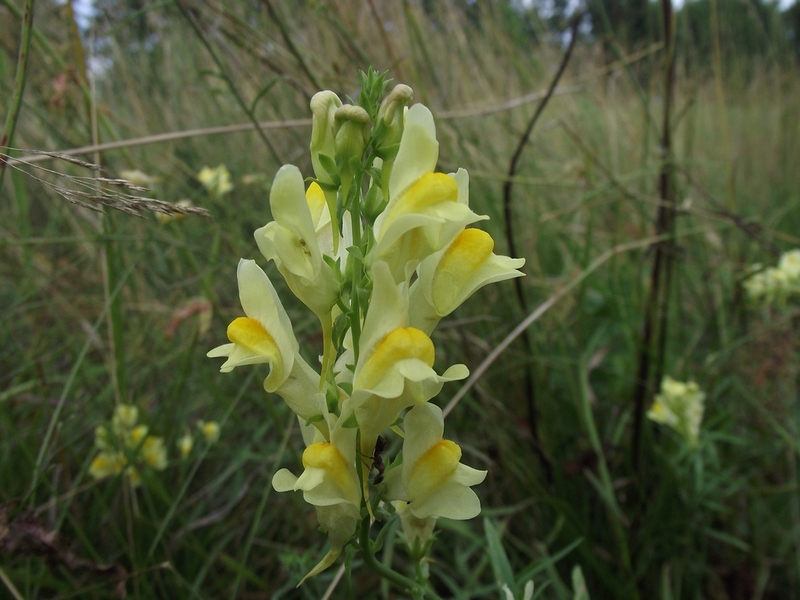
(679, 406)
(106, 464)
(774, 284)
(185, 444)
(210, 431)
(790, 265)
(165, 218)
(137, 177)
(155, 453)
(125, 417)
(126, 438)
(217, 181)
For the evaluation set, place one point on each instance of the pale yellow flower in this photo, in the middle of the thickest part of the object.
(432, 480)
(210, 431)
(154, 452)
(450, 276)
(137, 177)
(679, 406)
(185, 444)
(217, 181)
(106, 464)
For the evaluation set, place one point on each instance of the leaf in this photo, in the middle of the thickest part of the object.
(263, 92)
(579, 584)
(497, 555)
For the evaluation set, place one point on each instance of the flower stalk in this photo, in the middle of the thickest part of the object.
(377, 247)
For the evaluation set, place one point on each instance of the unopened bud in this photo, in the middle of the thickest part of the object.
(352, 132)
(323, 108)
(392, 112)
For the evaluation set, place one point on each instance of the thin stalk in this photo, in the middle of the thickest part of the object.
(654, 331)
(263, 504)
(615, 515)
(400, 581)
(21, 76)
(530, 388)
(292, 47)
(224, 74)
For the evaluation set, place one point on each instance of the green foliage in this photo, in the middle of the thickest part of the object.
(706, 523)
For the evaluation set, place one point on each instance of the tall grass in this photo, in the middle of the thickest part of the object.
(78, 336)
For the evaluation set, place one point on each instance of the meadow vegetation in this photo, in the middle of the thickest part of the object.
(102, 308)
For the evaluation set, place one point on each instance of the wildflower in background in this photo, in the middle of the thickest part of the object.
(137, 177)
(376, 247)
(185, 444)
(679, 406)
(166, 218)
(774, 284)
(217, 181)
(126, 441)
(210, 431)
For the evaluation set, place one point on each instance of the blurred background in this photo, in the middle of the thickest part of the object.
(641, 192)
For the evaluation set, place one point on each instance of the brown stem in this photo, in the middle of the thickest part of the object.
(654, 331)
(530, 389)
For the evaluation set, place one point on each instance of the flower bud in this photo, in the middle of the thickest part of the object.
(392, 112)
(352, 132)
(323, 107)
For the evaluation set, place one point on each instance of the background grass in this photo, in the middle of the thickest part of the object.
(88, 301)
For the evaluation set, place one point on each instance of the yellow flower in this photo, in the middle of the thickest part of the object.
(679, 406)
(450, 276)
(185, 444)
(330, 483)
(426, 210)
(154, 452)
(432, 480)
(210, 431)
(137, 177)
(217, 181)
(125, 417)
(291, 241)
(106, 464)
(265, 335)
(395, 364)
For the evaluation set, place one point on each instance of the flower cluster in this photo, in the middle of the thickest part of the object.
(377, 247)
(208, 430)
(680, 406)
(775, 284)
(125, 447)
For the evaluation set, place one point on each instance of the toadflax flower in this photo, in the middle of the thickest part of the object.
(217, 181)
(291, 241)
(395, 367)
(679, 406)
(432, 480)
(450, 276)
(124, 442)
(426, 210)
(265, 335)
(330, 483)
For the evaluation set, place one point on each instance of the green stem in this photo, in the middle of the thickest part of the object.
(392, 576)
(19, 84)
